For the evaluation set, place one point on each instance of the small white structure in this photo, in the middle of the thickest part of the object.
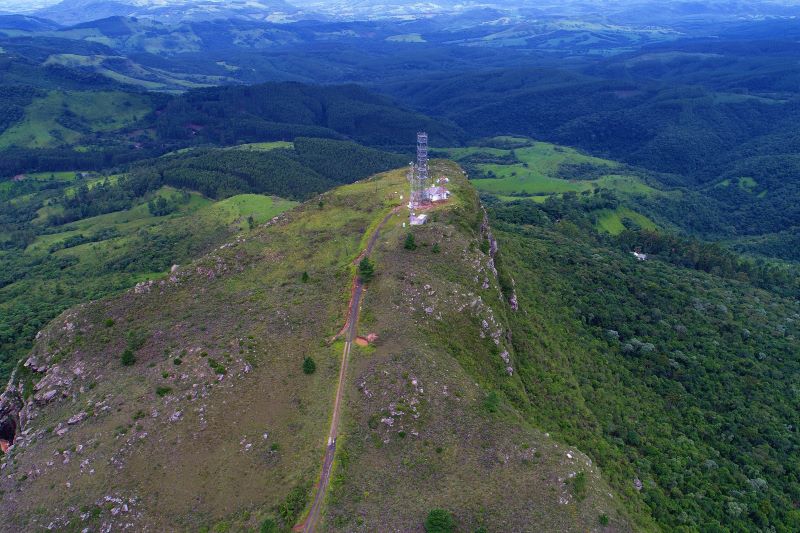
(438, 194)
(640, 256)
(417, 220)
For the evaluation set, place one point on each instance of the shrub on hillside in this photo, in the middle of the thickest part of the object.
(293, 505)
(492, 402)
(579, 488)
(128, 358)
(439, 521)
(268, 526)
(366, 269)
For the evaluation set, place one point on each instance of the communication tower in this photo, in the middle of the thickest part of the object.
(418, 174)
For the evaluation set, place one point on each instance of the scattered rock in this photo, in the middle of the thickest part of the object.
(76, 419)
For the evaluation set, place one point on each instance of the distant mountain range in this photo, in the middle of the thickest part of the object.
(77, 11)
(69, 12)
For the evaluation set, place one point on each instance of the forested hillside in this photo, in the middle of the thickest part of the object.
(95, 130)
(674, 373)
(734, 153)
(282, 111)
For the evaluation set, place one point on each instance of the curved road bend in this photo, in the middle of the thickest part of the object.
(312, 520)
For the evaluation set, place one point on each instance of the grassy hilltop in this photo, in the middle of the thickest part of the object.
(190, 407)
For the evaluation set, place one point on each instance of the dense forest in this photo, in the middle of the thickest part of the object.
(673, 373)
(581, 212)
(283, 111)
(310, 167)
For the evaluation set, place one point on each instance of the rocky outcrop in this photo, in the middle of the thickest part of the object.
(486, 233)
(51, 382)
(10, 406)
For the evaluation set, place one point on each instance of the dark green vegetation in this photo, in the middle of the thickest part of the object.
(410, 243)
(439, 521)
(675, 371)
(283, 111)
(582, 213)
(309, 167)
(128, 359)
(47, 130)
(366, 270)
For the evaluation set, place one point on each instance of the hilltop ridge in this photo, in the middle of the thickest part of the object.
(213, 422)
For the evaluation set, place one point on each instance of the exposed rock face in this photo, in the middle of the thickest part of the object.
(486, 232)
(10, 406)
(52, 382)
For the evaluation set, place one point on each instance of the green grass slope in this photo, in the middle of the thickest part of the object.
(100, 255)
(59, 118)
(433, 419)
(520, 167)
(214, 425)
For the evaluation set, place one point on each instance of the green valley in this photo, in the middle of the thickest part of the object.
(519, 167)
(514, 168)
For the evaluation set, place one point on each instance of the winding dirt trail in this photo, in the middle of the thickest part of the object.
(351, 327)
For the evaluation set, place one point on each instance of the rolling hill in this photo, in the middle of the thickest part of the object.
(602, 391)
(597, 332)
(67, 237)
(210, 399)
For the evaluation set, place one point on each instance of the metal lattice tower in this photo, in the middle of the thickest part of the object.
(418, 174)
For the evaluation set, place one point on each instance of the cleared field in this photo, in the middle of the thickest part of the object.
(263, 147)
(527, 183)
(536, 169)
(611, 221)
(133, 73)
(237, 209)
(64, 118)
(64, 176)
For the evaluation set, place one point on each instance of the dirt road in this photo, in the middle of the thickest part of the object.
(312, 520)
